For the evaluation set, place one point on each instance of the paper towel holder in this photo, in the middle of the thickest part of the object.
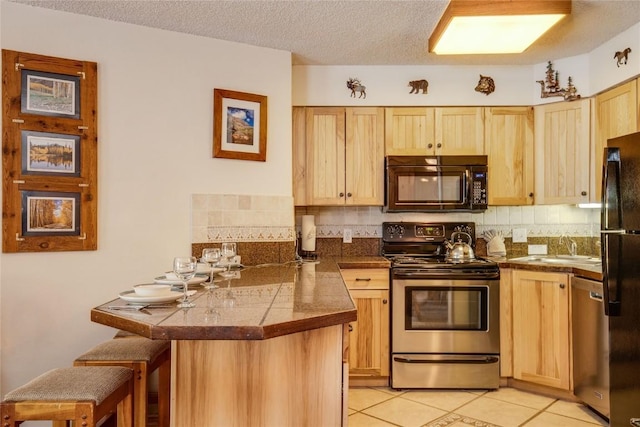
(305, 255)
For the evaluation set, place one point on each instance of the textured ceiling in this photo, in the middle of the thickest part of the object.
(381, 32)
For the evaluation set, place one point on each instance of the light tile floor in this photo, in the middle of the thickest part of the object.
(505, 407)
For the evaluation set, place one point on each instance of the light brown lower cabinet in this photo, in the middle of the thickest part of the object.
(369, 335)
(541, 328)
(291, 380)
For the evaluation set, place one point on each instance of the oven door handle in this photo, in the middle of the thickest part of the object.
(466, 360)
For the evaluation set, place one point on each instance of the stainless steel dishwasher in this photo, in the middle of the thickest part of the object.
(590, 344)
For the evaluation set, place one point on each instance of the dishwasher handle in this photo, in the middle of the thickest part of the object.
(597, 297)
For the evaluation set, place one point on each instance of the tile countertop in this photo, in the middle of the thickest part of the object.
(264, 302)
(590, 271)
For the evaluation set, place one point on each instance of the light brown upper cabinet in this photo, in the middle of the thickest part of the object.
(562, 147)
(343, 156)
(616, 114)
(424, 131)
(509, 147)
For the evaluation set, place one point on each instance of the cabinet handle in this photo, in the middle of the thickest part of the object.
(530, 194)
(584, 193)
(349, 194)
(438, 145)
(384, 301)
(341, 194)
(350, 327)
(363, 279)
(429, 145)
(561, 285)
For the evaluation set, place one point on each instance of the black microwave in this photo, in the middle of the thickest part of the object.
(435, 183)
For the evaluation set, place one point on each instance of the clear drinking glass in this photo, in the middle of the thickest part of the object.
(212, 257)
(185, 268)
(228, 251)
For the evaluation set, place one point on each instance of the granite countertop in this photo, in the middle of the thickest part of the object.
(264, 302)
(588, 270)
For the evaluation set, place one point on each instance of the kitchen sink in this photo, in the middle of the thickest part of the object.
(559, 259)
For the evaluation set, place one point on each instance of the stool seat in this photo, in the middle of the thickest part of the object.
(144, 356)
(84, 395)
(79, 383)
(132, 348)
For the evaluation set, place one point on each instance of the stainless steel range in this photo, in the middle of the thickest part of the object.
(445, 326)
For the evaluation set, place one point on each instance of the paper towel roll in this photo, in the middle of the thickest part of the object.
(308, 233)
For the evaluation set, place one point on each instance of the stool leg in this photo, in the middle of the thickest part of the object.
(140, 394)
(8, 413)
(164, 390)
(125, 409)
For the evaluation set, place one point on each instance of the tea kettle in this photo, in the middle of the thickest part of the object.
(459, 251)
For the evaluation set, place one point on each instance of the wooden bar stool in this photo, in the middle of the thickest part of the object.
(84, 395)
(144, 356)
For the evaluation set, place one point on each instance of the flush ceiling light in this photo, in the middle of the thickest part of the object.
(494, 26)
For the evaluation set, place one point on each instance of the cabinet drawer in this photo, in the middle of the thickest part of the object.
(366, 278)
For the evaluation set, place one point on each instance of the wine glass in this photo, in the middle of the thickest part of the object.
(185, 268)
(211, 256)
(228, 251)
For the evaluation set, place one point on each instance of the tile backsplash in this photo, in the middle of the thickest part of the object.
(539, 221)
(241, 218)
(260, 221)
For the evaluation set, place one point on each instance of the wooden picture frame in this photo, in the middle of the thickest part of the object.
(239, 125)
(49, 153)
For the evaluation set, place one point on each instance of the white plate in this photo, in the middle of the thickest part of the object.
(131, 296)
(171, 281)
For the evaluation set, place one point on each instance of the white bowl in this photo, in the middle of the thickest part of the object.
(152, 290)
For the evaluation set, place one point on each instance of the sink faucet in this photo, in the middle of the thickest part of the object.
(572, 246)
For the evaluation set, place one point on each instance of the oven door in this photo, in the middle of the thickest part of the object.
(444, 316)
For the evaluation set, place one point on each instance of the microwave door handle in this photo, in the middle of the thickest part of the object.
(611, 186)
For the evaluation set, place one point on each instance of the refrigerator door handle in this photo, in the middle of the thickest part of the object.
(611, 214)
(610, 285)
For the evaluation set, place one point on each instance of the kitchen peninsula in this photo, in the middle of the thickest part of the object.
(266, 348)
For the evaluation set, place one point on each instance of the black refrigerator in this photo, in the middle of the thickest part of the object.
(620, 240)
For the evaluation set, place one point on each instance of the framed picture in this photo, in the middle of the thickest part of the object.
(45, 153)
(50, 213)
(50, 94)
(239, 125)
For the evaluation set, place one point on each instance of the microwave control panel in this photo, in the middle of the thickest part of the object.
(478, 187)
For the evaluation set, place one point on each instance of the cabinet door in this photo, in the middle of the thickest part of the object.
(562, 152)
(299, 157)
(509, 147)
(409, 131)
(459, 131)
(325, 145)
(541, 328)
(615, 115)
(369, 335)
(364, 156)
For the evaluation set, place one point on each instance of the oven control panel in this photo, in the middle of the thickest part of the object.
(423, 232)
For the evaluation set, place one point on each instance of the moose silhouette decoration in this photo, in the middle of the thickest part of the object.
(356, 86)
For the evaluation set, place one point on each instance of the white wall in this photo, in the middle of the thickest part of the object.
(155, 104)
(591, 73)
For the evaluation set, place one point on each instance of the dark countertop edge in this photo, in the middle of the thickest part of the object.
(552, 268)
